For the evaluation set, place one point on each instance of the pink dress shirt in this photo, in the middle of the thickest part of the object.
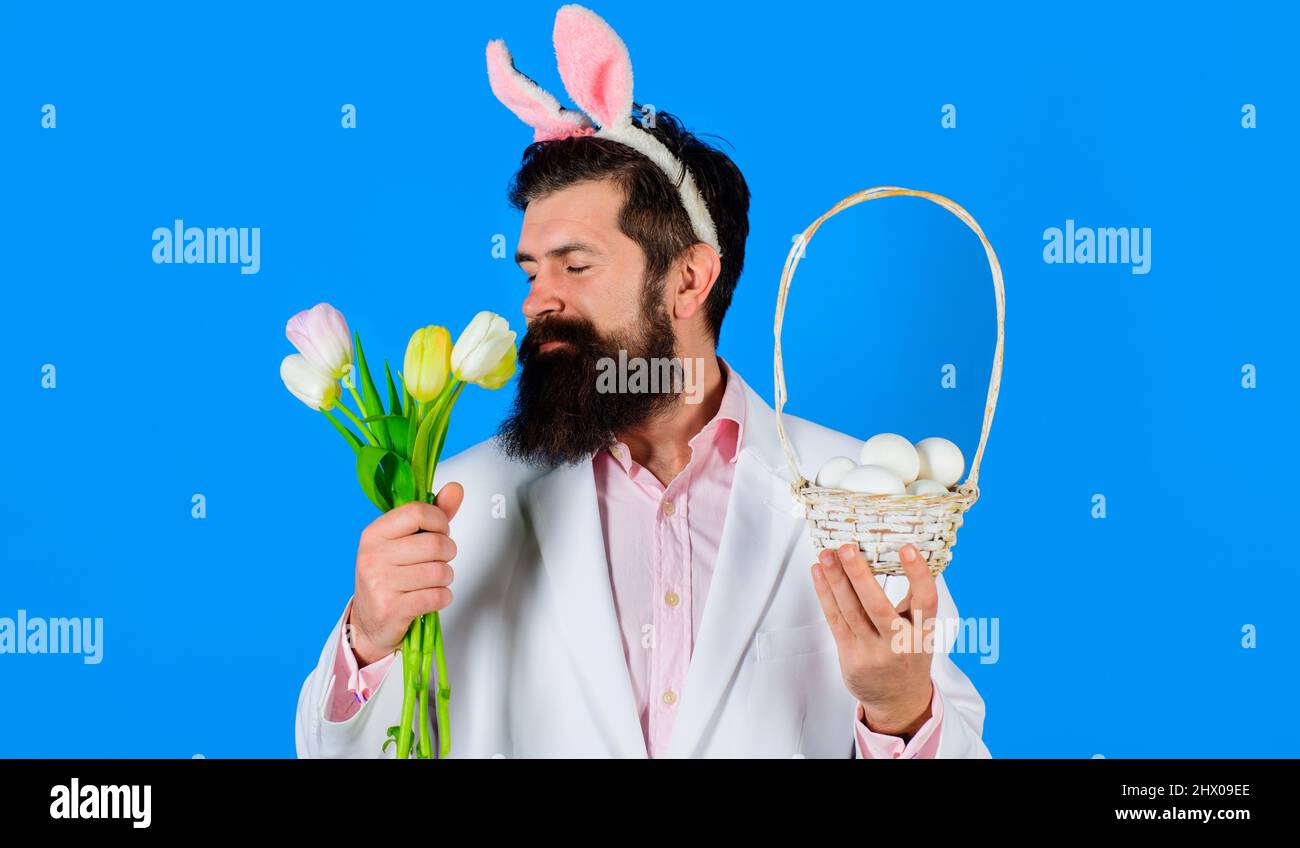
(661, 543)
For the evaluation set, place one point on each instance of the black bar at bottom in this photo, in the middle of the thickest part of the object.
(591, 797)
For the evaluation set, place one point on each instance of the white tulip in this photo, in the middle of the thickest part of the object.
(308, 382)
(485, 352)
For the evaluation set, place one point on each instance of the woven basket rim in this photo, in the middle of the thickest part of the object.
(798, 481)
(963, 497)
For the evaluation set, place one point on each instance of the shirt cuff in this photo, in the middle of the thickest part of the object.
(881, 746)
(353, 685)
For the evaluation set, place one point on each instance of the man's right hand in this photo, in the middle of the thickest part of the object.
(402, 572)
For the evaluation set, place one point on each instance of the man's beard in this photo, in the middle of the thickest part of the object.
(559, 416)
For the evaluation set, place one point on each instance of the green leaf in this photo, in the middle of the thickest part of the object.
(412, 420)
(444, 413)
(394, 399)
(403, 483)
(370, 394)
(392, 737)
(397, 428)
(388, 472)
(401, 438)
(437, 452)
(371, 474)
(353, 441)
(420, 450)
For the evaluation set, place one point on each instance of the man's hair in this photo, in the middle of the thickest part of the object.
(652, 213)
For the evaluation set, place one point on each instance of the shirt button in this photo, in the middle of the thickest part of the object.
(671, 599)
(670, 697)
(669, 509)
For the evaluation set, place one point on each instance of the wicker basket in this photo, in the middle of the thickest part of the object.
(882, 524)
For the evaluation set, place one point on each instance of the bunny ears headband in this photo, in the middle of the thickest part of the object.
(597, 72)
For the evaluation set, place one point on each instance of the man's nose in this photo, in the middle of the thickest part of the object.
(543, 297)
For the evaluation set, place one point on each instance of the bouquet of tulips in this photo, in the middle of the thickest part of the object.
(397, 449)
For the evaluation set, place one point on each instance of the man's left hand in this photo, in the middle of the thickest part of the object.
(878, 642)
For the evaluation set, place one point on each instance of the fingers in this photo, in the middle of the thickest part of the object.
(922, 591)
(421, 547)
(450, 498)
(413, 604)
(424, 575)
(408, 519)
(874, 601)
(846, 599)
(839, 627)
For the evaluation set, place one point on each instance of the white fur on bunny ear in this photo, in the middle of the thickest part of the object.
(594, 64)
(534, 106)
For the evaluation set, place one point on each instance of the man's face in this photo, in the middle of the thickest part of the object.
(588, 299)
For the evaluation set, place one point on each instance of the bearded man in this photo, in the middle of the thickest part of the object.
(629, 577)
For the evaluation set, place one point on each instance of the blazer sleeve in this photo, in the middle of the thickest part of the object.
(961, 733)
(361, 734)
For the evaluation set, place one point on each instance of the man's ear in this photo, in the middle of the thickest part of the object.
(692, 278)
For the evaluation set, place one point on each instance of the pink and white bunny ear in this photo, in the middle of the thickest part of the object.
(597, 72)
(594, 64)
(534, 106)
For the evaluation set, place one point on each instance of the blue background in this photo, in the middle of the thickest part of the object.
(1119, 636)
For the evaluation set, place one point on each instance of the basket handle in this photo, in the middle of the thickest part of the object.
(787, 275)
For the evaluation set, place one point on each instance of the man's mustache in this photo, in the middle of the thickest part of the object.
(580, 335)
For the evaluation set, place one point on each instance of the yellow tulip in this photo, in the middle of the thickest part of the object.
(428, 362)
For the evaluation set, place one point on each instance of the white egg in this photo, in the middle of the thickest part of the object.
(833, 471)
(941, 460)
(924, 486)
(872, 480)
(892, 451)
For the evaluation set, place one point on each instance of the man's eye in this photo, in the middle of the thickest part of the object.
(531, 277)
(577, 270)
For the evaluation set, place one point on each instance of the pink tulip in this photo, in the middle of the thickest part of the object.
(322, 337)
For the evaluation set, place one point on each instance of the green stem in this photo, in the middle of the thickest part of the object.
(426, 660)
(442, 409)
(365, 431)
(360, 403)
(410, 669)
(444, 691)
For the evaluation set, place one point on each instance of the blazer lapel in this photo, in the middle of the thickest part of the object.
(566, 523)
(759, 534)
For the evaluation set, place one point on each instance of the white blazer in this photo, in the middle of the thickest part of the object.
(534, 656)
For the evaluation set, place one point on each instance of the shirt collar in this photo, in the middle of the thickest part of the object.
(725, 428)
(729, 422)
